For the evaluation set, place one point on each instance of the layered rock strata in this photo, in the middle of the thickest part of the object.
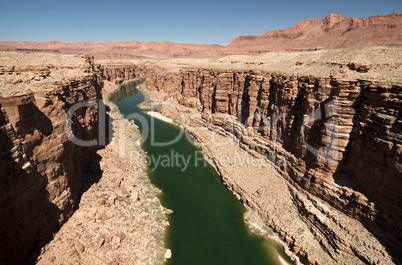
(119, 219)
(313, 231)
(40, 168)
(117, 72)
(340, 140)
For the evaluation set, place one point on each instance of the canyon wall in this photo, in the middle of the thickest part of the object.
(40, 168)
(341, 140)
(117, 72)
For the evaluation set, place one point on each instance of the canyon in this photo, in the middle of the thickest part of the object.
(334, 31)
(284, 106)
(338, 130)
(46, 176)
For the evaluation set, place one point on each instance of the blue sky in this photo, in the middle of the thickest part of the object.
(201, 22)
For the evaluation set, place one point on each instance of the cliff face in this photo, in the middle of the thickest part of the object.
(340, 140)
(40, 168)
(117, 72)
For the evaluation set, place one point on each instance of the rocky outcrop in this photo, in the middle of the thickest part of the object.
(117, 72)
(339, 139)
(40, 168)
(334, 31)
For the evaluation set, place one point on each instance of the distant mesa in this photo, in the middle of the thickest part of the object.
(31, 50)
(332, 32)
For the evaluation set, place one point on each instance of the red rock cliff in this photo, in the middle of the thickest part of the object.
(40, 168)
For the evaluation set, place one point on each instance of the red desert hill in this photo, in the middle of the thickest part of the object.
(334, 31)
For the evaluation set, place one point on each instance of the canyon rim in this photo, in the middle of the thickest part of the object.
(303, 125)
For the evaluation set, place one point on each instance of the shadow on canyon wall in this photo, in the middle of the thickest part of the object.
(26, 212)
(355, 172)
(31, 119)
(93, 172)
(29, 215)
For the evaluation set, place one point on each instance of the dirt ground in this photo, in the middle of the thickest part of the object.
(383, 63)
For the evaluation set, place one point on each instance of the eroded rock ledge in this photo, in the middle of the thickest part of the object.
(293, 118)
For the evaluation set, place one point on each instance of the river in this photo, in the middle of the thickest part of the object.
(206, 226)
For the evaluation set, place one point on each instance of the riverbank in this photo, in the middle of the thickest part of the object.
(160, 116)
(252, 218)
(311, 231)
(119, 219)
(206, 227)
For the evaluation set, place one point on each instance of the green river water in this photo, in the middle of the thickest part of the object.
(206, 226)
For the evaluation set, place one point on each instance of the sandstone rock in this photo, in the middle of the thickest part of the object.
(100, 241)
(135, 196)
(112, 199)
(168, 254)
(144, 215)
(79, 247)
(108, 239)
(102, 215)
(74, 253)
(122, 236)
(115, 242)
(359, 67)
